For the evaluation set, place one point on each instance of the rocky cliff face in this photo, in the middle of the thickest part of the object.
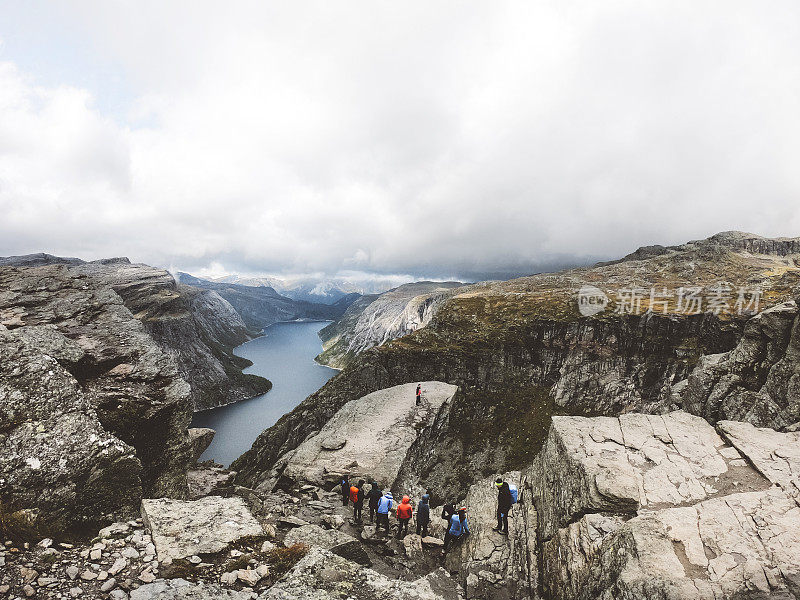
(520, 351)
(200, 332)
(374, 320)
(758, 381)
(198, 328)
(109, 393)
(94, 405)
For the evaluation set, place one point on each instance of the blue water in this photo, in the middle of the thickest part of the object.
(285, 356)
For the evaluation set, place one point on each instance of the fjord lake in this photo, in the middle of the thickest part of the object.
(284, 355)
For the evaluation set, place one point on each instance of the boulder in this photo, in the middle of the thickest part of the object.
(322, 575)
(621, 464)
(369, 535)
(379, 428)
(200, 438)
(180, 589)
(649, 506)
(432, 542)
(183, 528)
(337, 542)
(207, 481)
(412, 546)
(53, 438)
(744, 545)
(290, 521)
(333, 443)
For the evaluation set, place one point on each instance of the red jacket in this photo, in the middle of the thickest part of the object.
(405, 509)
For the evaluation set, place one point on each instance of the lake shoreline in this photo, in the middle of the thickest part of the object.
(284, 353)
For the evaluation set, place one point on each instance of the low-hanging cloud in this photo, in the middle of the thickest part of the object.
(462, 139)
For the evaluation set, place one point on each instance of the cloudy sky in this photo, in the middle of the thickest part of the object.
(428, 139)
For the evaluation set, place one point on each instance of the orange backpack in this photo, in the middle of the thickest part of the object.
(354, 493)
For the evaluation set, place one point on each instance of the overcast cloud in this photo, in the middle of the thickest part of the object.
(434, 139)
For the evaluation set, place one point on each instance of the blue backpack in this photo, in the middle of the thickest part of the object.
(455, 526)
(514, 493)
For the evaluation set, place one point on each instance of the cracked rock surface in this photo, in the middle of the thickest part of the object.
(185, 528)
(645, 506)
(378, 430)
(321, 575)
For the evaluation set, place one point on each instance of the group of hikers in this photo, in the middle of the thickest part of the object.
(380, 505)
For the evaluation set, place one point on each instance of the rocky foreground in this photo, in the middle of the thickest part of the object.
(636, 507)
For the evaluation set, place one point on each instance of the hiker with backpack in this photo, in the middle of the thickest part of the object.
(458, 528)
(419, 394)
(505, 500)
(375, 494)
(404, 512)
(423, 515)
(345, 490)
(384, 506)
(357, 498)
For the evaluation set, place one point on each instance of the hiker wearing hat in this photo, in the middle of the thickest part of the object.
(423, 515)
(357, 498)
(384, 506)
(404, 512)
(458, 527)
(504, 503)
(419, 394)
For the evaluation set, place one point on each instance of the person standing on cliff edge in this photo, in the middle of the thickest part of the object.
(419, 394)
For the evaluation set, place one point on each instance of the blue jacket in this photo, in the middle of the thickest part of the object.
(457, 527)
(385, 504)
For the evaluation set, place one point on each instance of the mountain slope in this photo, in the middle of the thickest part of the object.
(374, 320)
(521, 351)
(261, 306)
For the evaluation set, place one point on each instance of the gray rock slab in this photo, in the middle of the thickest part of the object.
(322, 575)
(183, 528)
(337, 542)
(743, 545)
(180, 589)
(379, 429)
(775, 455)
(622, 464)
(200, 438)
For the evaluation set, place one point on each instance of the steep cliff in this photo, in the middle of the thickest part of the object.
(374, 320)
(521, 351)
(101, 411)
(101, 366)
(198, 328)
